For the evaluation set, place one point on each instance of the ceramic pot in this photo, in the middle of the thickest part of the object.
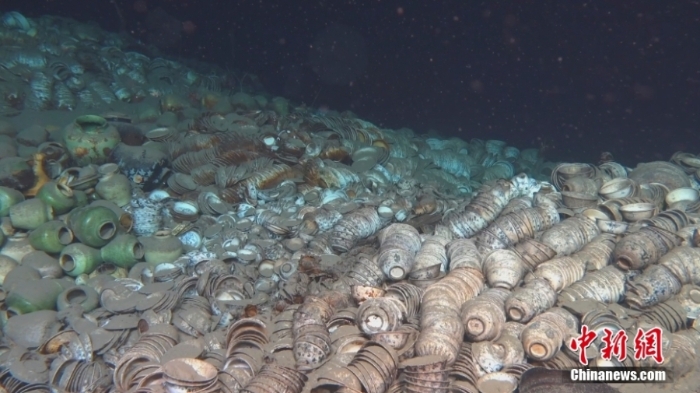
(34, 295)
(81, 295)
(110, 270)
(90, 140)
(161, 247)
(45, 264)
(17, 246)
(94, 226)
(113, 186)
(7, 264)
(57, 158)
(60, 197)
(144, 165)
(126, 220)
(78, 258)
(80, 178)
(8, 198)
(30, 214)
(51, 236)
(19, 275)
(123, 251)
(99, 282)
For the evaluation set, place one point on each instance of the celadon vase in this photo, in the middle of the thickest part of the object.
(161, 247)
(8, 198)
(84, 296)
(34, 295)
(30, 214)
(94, 226)
(113, 186)
(60, 197)
(51, 236)
(17, 276)
(78, 258)
(126, 220)
(123, 251)
(90, 139)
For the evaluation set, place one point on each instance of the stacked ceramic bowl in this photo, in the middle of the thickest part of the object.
(273, 378)
(190, 375)
(425, 374)
(375, 366)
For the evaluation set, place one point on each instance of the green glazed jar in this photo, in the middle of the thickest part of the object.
(8, 198)
(51, 236)
(82, 295)
(30, 214)
(17, 276)
(113, 186)
(123, 251)
(90, 140)
(60, 197)
(126, 220)
(35, 295)
(94, 226)
(161, 247)
(78, 258)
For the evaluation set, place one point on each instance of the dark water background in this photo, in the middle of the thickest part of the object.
(574, 77)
